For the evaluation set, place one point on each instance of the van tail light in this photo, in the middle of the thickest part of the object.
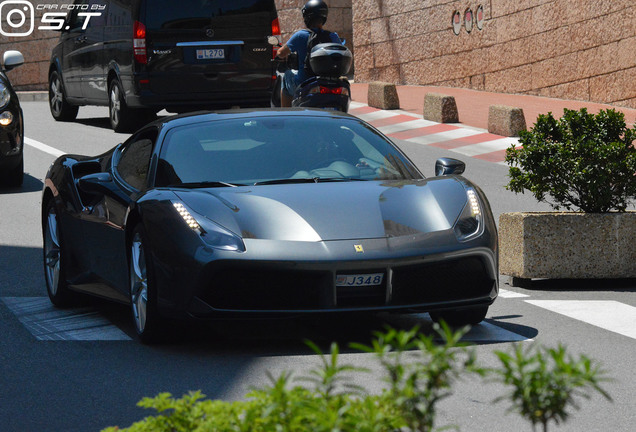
(330, 90)
(139, 43)
(276, 32)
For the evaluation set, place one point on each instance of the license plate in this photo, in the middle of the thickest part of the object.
(211, 54)
(359, 279)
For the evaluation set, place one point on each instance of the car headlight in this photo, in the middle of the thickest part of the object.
(6, 118)
(470, 223)
(213, 234)
(5, 95)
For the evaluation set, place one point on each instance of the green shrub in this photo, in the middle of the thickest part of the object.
(580, 161)
(419, 370)
(545, 382)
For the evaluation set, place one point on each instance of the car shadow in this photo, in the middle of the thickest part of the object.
(607, 285)
(29, 184)
(285, 336)
(103, 122)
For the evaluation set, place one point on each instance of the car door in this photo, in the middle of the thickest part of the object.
(91, 55)
(73, 44)
(104, 228)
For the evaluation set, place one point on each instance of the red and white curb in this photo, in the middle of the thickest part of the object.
(462, 139)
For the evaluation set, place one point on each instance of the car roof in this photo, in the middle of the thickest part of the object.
(205, 116)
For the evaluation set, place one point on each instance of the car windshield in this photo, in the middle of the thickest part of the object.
(278, 149)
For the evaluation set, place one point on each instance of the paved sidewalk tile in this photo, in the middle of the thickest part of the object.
(458, 138)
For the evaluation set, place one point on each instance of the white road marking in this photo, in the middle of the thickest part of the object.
(354, 104)
(376, 115)
(445, 136)
(407, 125)
(606, 314)
(43, 147)
(487, 146)
(510, 294)
(45, 322)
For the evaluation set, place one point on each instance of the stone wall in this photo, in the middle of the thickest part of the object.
(36, 47)
(570, 49)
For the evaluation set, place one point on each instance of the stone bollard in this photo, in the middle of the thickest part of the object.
(440, 108)
(505, 120)
(383, 95)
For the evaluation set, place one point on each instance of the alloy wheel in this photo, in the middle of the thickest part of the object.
(138, 283)
(56, 97)
(52, 251)
(115, 104)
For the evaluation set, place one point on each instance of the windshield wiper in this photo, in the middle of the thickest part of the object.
(205, 184)
(307, 180)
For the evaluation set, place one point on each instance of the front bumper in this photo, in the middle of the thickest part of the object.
(283, 277)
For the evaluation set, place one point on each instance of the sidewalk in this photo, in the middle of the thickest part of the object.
(473, 105)
(469, 137)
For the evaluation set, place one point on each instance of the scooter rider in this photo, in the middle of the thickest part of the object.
(315, 15)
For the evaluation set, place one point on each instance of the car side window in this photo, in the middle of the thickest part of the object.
(134, 162)
(74, 21)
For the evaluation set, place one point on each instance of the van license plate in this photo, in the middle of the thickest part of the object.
(211, 54)
(359, 279)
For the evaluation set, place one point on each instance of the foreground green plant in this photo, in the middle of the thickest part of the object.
(546, 382)
(582, 161)
(416, 387)
(420, 372)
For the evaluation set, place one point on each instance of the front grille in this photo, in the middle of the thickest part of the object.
(237, 288)
(459, 279)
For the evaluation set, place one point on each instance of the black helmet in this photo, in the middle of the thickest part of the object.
(314, 9)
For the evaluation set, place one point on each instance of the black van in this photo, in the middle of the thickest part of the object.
(141, 56)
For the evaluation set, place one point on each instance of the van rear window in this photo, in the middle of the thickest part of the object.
(198, 14)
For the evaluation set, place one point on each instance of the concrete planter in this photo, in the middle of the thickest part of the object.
(567, 245)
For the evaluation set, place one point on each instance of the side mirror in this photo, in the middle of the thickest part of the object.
(446, 166)
(12, 59)
(96, 184)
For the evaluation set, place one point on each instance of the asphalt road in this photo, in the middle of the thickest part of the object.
(86, 385)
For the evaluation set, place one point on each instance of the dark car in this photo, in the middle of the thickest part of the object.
(141, 56)
(11, 125)
(263, 212)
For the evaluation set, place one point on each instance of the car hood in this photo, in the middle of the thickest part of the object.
(332, 210)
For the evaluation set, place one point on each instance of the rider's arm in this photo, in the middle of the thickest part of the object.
(283, 51)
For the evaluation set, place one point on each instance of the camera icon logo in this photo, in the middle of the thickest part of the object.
(16, 15)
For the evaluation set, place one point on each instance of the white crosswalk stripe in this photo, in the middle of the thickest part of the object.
(511, 294)
(486, 147)
(606, 314)
(377, 115)
(45, 322)
(445, 136)
(407, 125)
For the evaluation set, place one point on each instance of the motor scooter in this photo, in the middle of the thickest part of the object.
(329, 88)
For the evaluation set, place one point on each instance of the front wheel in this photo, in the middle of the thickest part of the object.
(143, 295)
(56, 287)
(461, 317)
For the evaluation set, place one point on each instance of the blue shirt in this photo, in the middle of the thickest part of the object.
(298, 44)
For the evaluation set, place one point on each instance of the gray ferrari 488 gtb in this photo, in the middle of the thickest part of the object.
(208, 215)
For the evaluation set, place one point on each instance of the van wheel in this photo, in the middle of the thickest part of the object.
(61, 110)
(122, 118)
